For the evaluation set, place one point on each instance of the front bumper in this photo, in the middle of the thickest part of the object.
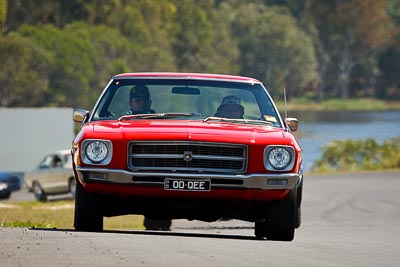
(274, 181)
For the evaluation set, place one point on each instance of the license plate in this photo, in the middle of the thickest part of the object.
(187, 185)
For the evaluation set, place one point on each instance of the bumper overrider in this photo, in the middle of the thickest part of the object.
(275, 181)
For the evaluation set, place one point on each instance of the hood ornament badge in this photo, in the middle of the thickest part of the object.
(187, 155)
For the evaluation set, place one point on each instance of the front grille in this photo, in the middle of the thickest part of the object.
(192, 157)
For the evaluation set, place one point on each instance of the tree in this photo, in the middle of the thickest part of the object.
(81, 59)
(146, 23)
(343, 48)
(70, 66)
(3, 14)
(41, 12)
(21, 72)
(203, 41)
(273, 48)
(351, 31)
(389, 59)
(108, 52)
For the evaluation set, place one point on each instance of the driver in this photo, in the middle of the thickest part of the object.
(139, 100)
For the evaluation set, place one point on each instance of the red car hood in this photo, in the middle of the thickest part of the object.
(186, 130)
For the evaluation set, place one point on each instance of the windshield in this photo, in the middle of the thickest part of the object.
(238, 102)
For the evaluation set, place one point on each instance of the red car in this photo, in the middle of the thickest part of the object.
(188, 146)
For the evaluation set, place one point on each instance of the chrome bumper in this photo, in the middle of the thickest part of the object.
(252, 181)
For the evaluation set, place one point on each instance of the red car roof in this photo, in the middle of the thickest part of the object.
(187, 75)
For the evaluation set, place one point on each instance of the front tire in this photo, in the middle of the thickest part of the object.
(5, 196)
(260, 229)
(298, 209)
(88, 216)
(72, 187)
(157, 225)
(282, 218)
(38, 192)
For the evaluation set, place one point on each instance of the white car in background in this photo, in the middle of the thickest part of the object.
(53, 176)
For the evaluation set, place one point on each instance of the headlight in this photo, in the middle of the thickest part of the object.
(279, 158)
(97, 151)
(3, 186)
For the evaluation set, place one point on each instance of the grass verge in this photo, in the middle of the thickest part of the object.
(56, 214)
(365, 104)
(359, 155)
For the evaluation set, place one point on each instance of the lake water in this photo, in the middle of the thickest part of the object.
(317, 129)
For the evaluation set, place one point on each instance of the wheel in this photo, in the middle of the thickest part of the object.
(260, 229)
(282, 218)
(38, 192)
(298, 217)
(5, 195)
(88, 216)
(157, 225)
(298, 209)
(72, 186)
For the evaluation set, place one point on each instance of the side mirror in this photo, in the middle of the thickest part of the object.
(80, 115)
(293, 124)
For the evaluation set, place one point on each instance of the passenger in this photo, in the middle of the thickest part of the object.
(230, 108)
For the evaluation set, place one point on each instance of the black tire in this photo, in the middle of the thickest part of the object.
(72, 186)
(157, 225)
(5, 196)
(38, 192)
(282, 218)
(88, 216)
(298, 209)
(260, 229)
(298, 217)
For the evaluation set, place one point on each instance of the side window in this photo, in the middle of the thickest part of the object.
(46, 162)
(57, 162)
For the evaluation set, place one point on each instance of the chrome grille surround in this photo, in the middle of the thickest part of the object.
(187, 156)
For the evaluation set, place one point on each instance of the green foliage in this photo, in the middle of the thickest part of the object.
(366, 104)
(3, 12)
(351, 33)
(56, 214)
(355, 155)
(80, 60)
(25, 224)
(61, 53)
(22, 65)
(353, 104)
(193, 33)
(394, 10)
(273, 48)
(146, 24)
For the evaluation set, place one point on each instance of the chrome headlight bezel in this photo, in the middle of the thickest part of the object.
(105, 154)
(288, 154)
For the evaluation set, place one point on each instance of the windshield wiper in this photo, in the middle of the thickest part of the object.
(155, 116)
(245, 121)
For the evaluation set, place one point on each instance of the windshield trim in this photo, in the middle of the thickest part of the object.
(114, 84)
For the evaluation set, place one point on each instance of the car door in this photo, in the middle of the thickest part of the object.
(39, 174)
(55, 178)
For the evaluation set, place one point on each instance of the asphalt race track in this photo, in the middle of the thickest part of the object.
(348, 220)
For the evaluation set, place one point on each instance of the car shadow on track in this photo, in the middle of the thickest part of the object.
(161, 233)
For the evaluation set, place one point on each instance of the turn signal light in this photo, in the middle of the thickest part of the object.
(277, 181)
